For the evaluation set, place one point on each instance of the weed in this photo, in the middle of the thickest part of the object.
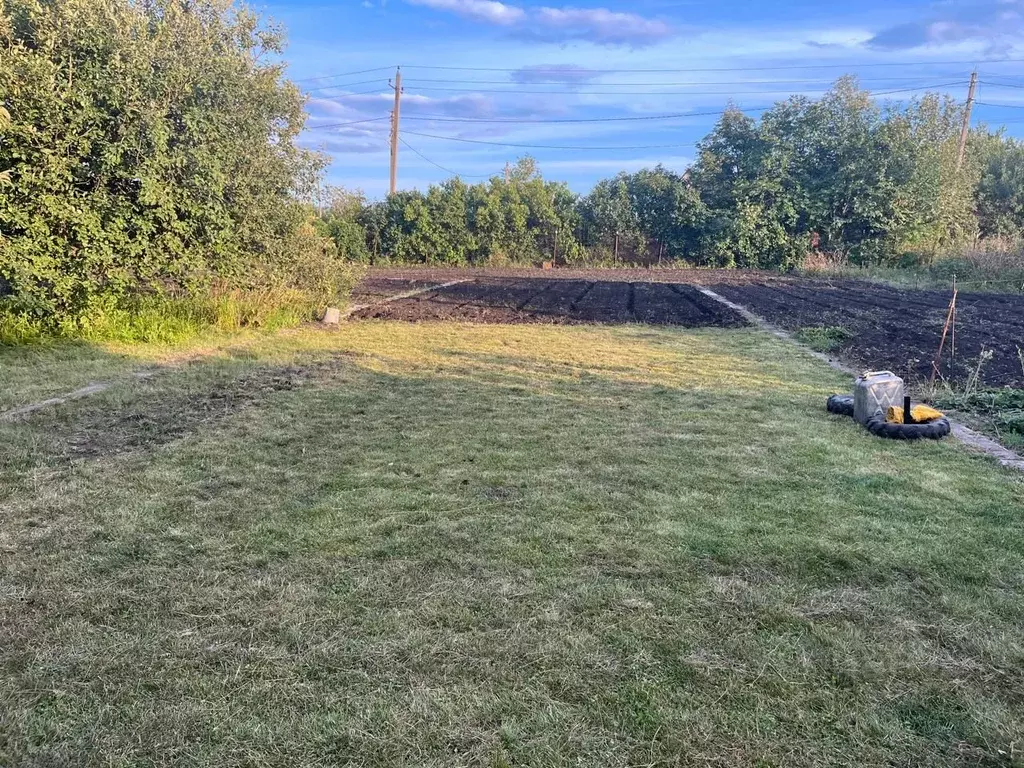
(824, 338)
(991, 265)
(973, 382)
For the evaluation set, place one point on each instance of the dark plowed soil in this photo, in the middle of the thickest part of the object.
(889, 327)
(542, 300)
(896, 329)
(375, 287)
(438, 275)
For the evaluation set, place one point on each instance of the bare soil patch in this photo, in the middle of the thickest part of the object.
(886, 326)
(898, 329)
(541, 300)
(377, 287)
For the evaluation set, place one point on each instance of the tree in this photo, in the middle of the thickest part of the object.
(840, 172)
(339, 220)
(1000, 192)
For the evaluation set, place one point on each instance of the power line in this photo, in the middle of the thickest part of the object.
(374, 91)
(513, 120)
(1001, 106)
(554, 121)
(344, 85)
(571, 84)
(350, 122)
(1015, 78)
(437, 165)
(342, 74)
(910, 90)
(556, 70)
(543, 146)
(654, 93)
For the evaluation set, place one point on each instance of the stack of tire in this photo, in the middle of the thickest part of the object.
(842, 405)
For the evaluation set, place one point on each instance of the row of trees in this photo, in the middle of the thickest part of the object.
(840, 174)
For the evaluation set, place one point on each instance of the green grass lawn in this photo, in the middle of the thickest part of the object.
(435, 545)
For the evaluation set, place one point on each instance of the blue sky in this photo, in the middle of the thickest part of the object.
(472, 67)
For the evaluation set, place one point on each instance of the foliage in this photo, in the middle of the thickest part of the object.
(997, 411)
(147, 149)
(519, 219)
(653, 213)
(148, 155)
(986, 400)
(837, 179)
(339, 220)
(1000, 192)
(839, 174)
(993, 264)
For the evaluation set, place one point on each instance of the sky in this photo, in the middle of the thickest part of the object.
(593, 88)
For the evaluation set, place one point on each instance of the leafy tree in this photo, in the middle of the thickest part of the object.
(839, 173)
(339, 220)
(743, 178)
(1000, 192)
(652, 211)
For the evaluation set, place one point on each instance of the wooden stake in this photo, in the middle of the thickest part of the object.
(942, 342)
(952, 330)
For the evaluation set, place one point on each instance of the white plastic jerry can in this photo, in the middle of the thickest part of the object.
(874, 392)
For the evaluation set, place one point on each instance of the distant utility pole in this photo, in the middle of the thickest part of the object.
(508, 173)
(397, 85)
(967, 119)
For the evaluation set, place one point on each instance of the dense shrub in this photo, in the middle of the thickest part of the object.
(147, 150)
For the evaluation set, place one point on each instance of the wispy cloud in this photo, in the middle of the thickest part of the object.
(996, 24)
(489, 11)
(596, 25)
(568, 74)
(560, 25)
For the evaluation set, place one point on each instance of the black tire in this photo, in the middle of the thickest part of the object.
(933, 430)
(842, 405)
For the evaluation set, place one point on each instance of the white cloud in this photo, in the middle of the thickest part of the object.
(596, 25)
(489, 11)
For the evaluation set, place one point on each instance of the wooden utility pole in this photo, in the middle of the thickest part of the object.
(508, 173)
(397, 85)
(967, 119)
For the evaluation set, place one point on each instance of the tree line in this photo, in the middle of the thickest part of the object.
(840, 175)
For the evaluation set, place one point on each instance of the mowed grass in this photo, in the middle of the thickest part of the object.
(435, 545)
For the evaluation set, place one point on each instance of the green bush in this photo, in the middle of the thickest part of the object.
(147, 151)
